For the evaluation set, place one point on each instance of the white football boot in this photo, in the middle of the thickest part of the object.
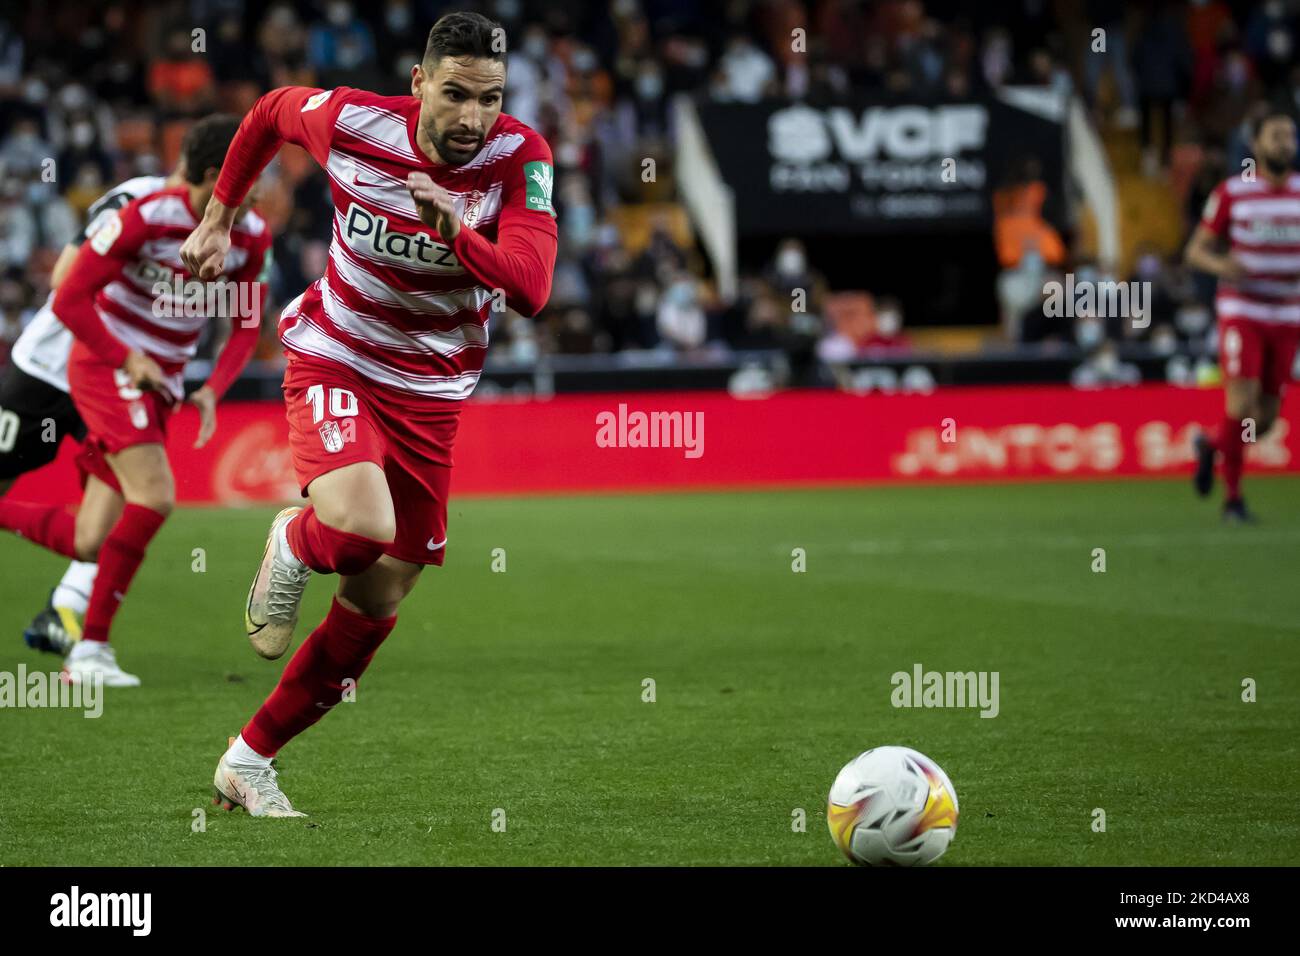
(276, 593)
(253, 787)
(90, 658)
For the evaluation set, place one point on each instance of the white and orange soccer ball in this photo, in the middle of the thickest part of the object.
(892, 806)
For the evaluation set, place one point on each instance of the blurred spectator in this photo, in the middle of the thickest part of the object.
(13, 315)
(1104, 367)
(1270, 40)
(342, 43)
(1018, 223)
(680, 319)
(181, 81)
(1162, 61)
(18, 234)
(745, 73)
(1108, 16)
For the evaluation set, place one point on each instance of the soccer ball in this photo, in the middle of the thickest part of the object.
(892, 806)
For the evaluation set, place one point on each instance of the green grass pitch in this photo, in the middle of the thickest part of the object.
(523, 691)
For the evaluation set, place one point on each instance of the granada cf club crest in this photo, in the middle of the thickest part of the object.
(331, 437)
(473, 207)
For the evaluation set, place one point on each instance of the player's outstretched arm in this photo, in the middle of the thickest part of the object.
(290, 114)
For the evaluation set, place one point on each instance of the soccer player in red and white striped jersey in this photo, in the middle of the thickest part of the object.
(442, 213)
(1258, 299)
(136, 315)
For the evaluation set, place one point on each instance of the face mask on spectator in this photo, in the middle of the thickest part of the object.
(1148, 267)
(1279, 44)
(73, 97)
(1163, 341)
(83, 134)
(1107, 362)
(1089, 332)
(1237, 74)
(398, 18)
(339, 13)
(579, 224)
(790, 262)
(535, 47)
(682, 293)
(649, 85)
(888, 323)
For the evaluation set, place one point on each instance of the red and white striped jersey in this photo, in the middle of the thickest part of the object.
(42, 350)
(398, 304)
(128, 280)
(1261, 224)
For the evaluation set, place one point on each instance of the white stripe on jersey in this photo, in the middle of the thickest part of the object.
(165, 311)
(1269, 288)
(167, 250)
(374, 186)
(1268, 262)
(164, 250)
(371, 288)
(137, 338)
(1231, 307)
(498, 147)
(380, 128)
(1266, 206)
(1236, 186)
(167, 211)
(370, 185)
(381, 333)
(305, 337)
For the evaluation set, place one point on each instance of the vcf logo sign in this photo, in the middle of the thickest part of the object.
(802, 134)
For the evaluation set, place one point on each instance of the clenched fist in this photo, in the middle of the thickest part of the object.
(204, 250)
(437, 211)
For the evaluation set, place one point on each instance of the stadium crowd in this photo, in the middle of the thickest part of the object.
(91, 94)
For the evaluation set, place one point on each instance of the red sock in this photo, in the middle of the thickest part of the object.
(1229, 444)
(51, 527)
(119, 558)
(329, 550)
(340, 648)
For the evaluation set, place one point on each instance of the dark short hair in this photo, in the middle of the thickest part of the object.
(465, 34)
(205, 143)
(1265, 117)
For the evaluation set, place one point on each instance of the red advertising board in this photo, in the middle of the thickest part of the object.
(666, 440)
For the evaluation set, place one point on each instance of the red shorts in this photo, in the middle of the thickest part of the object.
(117, 415)
(338, 418)
(1258, 350)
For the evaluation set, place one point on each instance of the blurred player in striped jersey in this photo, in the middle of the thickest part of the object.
(34, 391)
(130, 306)
(442, 211)
(1258, 301)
